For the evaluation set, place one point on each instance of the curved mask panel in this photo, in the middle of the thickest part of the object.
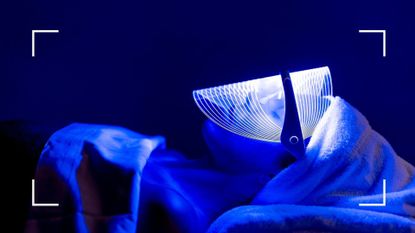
(255, 108)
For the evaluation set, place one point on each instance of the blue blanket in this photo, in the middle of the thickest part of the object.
(350, 180)
(93, 172)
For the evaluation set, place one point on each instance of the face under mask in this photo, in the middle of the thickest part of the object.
(256, 108)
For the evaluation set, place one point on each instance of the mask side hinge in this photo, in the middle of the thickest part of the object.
(291, 135)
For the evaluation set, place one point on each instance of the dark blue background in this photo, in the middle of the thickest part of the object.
(135, 63)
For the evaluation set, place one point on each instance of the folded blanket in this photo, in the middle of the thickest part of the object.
(345, 166)
(98, 173)
(93, 172)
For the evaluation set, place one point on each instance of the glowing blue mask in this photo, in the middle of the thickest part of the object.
(283, 108)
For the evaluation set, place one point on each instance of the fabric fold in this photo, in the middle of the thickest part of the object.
(345, 166)
(93, 172)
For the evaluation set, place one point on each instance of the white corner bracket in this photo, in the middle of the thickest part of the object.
(40, 204)
(383, 37)
(34, 35)
(383, 198)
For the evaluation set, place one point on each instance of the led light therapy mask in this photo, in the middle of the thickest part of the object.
(283, 108)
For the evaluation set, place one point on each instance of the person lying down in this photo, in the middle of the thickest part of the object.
(110, 179)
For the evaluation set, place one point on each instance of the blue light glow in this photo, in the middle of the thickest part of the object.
(255, 108)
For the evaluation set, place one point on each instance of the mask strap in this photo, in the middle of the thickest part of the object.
(291, 135)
